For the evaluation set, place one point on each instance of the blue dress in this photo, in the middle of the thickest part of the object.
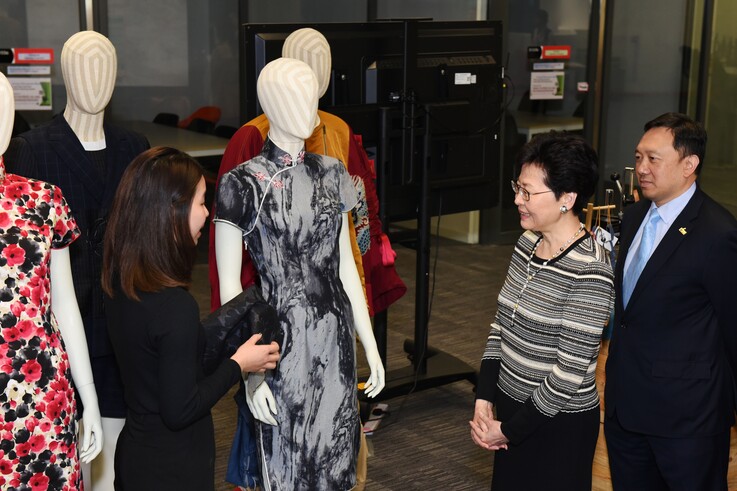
(291, 216)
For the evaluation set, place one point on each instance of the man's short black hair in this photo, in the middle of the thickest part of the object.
(689, 136)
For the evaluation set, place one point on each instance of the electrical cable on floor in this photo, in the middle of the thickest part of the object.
(398, 412)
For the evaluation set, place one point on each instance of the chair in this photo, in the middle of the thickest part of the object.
(168, 119)
(201, 126)
(208, 113)
(225, 131)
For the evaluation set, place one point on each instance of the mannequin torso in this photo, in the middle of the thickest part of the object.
(371, 250)
(285, 204)
(332, 140)
(40, 390)
(302, 214)
(65, 152)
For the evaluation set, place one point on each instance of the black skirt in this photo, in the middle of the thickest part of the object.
(557, 456)
(151, 457)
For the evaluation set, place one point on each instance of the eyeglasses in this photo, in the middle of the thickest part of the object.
(519, 190)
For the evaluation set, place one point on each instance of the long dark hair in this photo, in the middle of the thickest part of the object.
(148, 242)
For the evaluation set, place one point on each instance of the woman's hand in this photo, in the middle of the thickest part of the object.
(485, 430)
(252, 357)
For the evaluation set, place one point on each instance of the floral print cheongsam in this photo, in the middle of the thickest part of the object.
(291, 215)
(38, 414)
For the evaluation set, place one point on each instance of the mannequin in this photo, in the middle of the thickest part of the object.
(331, 136)
(372, 251)
(38, 343)
(318, 296)
(86, 158)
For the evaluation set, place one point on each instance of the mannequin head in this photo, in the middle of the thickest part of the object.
(89, 66)
(7, 113)
(287, 92)
(310, 46)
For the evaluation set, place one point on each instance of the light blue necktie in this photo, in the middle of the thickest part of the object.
(642, 254)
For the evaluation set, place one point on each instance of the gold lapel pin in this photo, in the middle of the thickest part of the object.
(682, 230)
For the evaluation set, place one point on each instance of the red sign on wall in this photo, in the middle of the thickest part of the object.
(27, 56)
(555, 53)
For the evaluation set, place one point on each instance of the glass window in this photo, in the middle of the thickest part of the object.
(544, 23)
(436, 9)
(719, 174)
(535, 23)
(298, 11)
(40, 24)
(174, 56)
(644, 74)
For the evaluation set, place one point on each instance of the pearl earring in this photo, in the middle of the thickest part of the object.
(563, 210)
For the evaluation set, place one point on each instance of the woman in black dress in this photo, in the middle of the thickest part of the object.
(153, 322)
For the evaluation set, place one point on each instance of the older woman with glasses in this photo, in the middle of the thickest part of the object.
(538, 368)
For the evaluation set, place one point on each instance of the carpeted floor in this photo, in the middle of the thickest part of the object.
(423, 443)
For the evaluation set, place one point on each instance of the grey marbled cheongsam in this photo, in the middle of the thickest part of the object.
(293, 242)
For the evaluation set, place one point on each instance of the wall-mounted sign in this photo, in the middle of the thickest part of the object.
(546, 85)
(556, 53)
(31, 93)
(29, 70)
(562, 52)
(548, 65)
(27, 56)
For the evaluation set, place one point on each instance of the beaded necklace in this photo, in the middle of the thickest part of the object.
(530, 276)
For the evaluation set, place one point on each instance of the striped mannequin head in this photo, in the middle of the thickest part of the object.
(89, 66)
(287, 92)
(310, 46)
(7, 113)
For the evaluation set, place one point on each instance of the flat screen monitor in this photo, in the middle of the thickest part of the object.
(353, 47)
(452, 67)
(367, 60)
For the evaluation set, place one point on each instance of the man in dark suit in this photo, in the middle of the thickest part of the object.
(671, 370)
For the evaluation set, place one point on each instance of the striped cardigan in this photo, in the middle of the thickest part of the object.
(546, 358)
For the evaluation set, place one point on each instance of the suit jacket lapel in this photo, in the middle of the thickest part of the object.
(670, 242)
(71, 153)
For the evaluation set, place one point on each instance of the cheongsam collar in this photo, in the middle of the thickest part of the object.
(279, 156)
(2, 169)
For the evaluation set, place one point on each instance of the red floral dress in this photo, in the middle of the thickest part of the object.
(38, 413)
